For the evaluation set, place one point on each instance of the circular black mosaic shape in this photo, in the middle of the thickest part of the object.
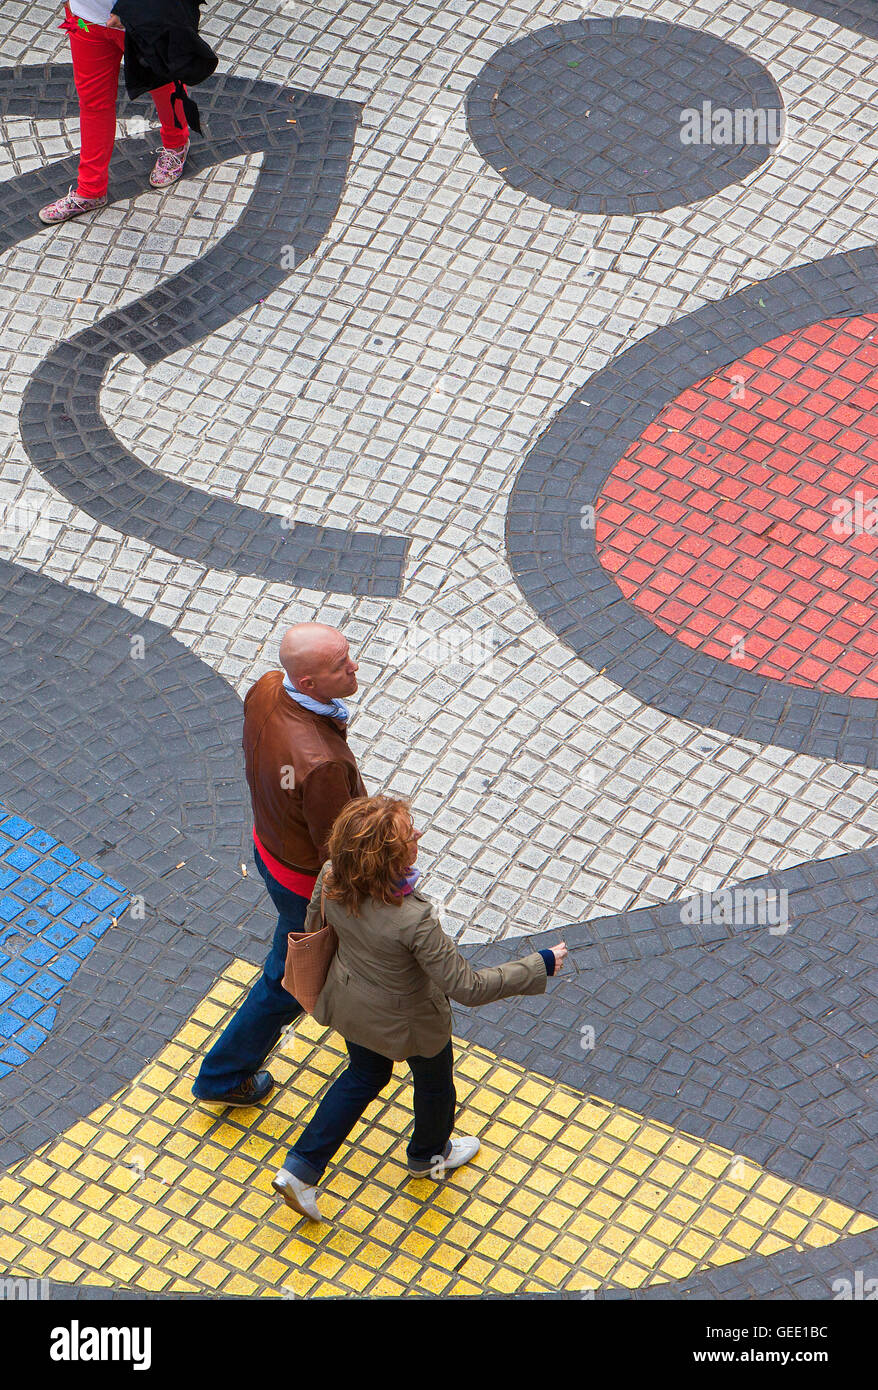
(589, 115)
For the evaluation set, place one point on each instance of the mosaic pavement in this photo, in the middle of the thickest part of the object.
(448, 339)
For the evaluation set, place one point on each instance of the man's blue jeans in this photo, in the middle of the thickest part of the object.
(253, 1032)
(366, 1074)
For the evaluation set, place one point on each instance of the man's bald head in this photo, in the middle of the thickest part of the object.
(317, 660)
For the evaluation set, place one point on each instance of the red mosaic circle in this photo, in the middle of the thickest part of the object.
(743, 520)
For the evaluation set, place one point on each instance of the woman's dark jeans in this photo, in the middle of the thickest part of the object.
(365, 1076)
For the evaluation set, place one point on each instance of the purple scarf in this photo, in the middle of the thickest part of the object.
(410, 880)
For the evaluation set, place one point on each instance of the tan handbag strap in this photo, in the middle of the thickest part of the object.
(323, 902)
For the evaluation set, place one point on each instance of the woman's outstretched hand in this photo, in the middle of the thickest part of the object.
(560, 954)
(114, 22)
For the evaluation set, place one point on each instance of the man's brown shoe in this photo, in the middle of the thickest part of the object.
(250, 1092)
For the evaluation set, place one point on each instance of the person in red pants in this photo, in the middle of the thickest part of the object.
(97, 42)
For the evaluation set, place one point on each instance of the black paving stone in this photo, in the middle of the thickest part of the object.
(588, 115)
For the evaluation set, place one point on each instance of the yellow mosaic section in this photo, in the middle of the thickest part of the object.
(567, 1191)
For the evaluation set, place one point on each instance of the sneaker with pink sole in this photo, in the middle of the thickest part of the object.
(169, 166)
(71, 205)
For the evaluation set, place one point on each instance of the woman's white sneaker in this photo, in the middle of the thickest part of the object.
(297, 1194)
(461, 1151)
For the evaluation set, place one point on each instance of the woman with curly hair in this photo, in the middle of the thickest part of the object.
(387, 993)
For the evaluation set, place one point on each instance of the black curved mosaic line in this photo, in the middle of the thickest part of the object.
(136, 765)
(305, 142)
(586, 115)
(554, 560)
(763, 1044)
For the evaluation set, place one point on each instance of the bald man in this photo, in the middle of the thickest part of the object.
(301, 773)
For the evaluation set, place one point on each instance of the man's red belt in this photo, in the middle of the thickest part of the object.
(303, 884)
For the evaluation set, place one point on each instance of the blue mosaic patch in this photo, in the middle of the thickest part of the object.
(54, 907)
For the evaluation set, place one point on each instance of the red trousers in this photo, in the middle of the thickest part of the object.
(97, 57)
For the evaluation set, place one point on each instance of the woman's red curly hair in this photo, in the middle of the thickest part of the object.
(370, 849)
